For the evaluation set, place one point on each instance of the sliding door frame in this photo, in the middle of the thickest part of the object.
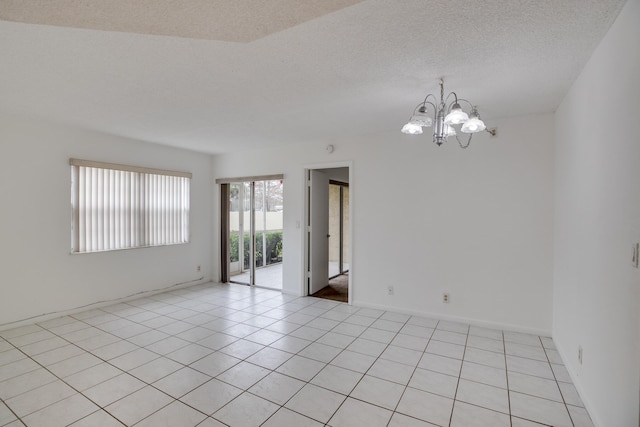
(225, 184)
(224, 234)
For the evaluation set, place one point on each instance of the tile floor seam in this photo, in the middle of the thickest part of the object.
(506, 370)
(556, 381)
(229, 402)
(103, 408)
(12, 411)
(282, 407)
(413, 372)
(99, 410)
(274, 370)
(102, 382)
(455, 394)
(368, 369)
(59, 379)
(532, 375)
(356, 385)
(160, 409)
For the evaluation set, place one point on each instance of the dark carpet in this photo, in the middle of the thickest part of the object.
(337, 290)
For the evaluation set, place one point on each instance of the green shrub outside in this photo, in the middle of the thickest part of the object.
(273, 250)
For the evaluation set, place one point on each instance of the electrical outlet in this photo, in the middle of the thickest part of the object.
(390, 290)
(445, 298)
(580, 354)
(198, 268)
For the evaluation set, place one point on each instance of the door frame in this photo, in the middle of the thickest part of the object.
(305, 231)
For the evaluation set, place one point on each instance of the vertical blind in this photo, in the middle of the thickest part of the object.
(121, 207)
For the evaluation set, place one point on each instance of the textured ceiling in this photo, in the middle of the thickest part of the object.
(226, 20)
(349, 71)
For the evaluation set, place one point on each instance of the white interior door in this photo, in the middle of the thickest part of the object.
(318, 231)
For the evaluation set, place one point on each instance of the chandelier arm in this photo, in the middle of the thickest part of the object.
(424, 104)
(427, 97)
(430, 103)
(463, 146)
(467, 101)
(446, 100)
(417, 107)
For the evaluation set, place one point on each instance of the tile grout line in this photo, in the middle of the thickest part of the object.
(59, 379)
(414, 370)
(245, 360)
(272, 370)
(326, 364)
(12, 411)
(557, 384)
(342, 350)
(506, 374)
(215, 377)
(455, 394)
(369, 368)
(118, 368)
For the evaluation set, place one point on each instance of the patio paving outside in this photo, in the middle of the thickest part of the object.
(266, 277)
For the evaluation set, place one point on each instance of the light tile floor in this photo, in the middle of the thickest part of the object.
(214, 355)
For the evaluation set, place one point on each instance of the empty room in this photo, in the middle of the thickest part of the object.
(342, 213)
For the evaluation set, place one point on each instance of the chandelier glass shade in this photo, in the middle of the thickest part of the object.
(446, 115)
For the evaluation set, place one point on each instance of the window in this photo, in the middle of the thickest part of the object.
(122, 207)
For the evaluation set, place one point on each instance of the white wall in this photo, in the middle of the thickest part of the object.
(487, 215)
(486, 212)
(38, 274)
(338, 174)
(597, 219)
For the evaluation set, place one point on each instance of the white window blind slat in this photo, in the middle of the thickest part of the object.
(94, 226)
(121, 209)
(117, 209)
(112, 209)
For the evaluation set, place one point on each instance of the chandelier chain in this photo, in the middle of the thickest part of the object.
(468, 142)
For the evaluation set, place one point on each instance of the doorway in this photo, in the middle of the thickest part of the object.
(328, 236)
(252, 231)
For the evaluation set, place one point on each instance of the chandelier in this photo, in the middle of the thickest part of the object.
(446, 115)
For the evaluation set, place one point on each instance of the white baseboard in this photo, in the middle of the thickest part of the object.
(577, 383)
(474, 322)
(98, 304)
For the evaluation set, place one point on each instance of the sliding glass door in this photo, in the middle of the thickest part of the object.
(254, 232)
(239, 230)
(269, 230)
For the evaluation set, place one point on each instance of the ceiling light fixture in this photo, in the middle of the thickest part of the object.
(446, 115)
